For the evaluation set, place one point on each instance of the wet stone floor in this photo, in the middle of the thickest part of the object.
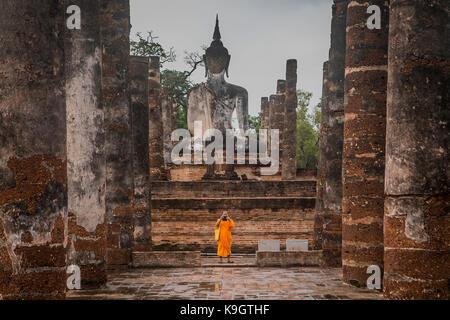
(227, 283)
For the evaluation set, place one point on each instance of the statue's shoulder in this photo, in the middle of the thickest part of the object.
(238, 90)
(201, 87)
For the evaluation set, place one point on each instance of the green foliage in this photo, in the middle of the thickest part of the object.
(177, 83)
(307, 132)
(254, 122)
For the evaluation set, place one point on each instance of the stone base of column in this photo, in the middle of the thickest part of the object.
(331, 239)
(318, 230)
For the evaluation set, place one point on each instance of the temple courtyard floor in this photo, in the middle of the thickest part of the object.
(239, 281)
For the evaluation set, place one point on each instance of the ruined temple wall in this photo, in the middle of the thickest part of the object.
(33, 155)
(364, 142)
(115, 33)
(141, 170)
(86, 170)
(332, 138)
(416, 216)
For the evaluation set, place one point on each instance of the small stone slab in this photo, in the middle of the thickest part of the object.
(269, 245)
(296, 245)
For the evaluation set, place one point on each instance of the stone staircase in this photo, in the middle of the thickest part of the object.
(184, 213)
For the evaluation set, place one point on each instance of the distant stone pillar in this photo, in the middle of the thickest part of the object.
(416, 219)
(141, 170)
(86, 166)
(115, 29)
(280, 113)
(364, 142)
(174, 115)
(265, 121)
(333, 134)
(265, 113)
(289, 161)
(318, 223)
(272, 122)
(166, 117)
(156, 146)
(33, 177)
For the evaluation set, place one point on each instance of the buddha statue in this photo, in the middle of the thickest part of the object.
(214, 102)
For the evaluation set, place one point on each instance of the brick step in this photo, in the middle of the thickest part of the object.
(234, 203)
(233, 189)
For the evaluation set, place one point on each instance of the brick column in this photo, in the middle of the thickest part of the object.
(279, 114)
(141, 170)
(33, 178)
(332, 139)
(265, 113)
(115, 29)
(166, 117)
(265, 121)
(318, 223)
(289, 161)
(86, 171)
(416, 220)
(364, 142)
(156, 147)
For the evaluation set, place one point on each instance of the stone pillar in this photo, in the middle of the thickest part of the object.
(141, 169)
(364, 142)
(333, 134)
(166, 117)
(289, 161)
(33, 177)
(318, 224)
(265, 121)
(174, 117)
(156, 147)
(86, 171)
(280, 113)
(265, 113)
(416, 219)
(115, 29)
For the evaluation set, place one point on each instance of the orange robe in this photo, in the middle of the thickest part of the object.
(224, 249)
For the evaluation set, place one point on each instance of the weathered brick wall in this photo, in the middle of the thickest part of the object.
(193, 229)
(184, 213)
(233, 189)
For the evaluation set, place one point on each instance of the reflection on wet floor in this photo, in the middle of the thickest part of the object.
(226, 284)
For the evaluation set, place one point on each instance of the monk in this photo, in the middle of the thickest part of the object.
(225, 223)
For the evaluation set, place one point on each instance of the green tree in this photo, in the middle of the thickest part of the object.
(307, 132)
(177, 83)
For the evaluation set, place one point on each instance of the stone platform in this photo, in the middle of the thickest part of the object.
(184, 213)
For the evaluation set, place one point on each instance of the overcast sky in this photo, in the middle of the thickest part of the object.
(259, 34)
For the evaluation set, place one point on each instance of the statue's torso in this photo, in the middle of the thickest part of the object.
(213, 104)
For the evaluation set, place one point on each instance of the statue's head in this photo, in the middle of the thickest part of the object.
(216, 58)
